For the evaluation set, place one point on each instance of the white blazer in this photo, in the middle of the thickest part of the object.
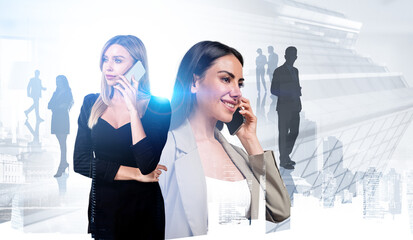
(184, 187)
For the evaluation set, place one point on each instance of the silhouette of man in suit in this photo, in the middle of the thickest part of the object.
(272, 62)
(286, 86)
(260, 62)
(34, 91)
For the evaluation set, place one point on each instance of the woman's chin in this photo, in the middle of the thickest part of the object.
(111, 82)
(226, 119)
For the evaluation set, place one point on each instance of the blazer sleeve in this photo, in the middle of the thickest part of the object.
(83, 152)
(147, 152)
(277, 198)
(168, 160)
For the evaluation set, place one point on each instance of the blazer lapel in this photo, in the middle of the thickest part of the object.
(191, 179)
(236, 157)
(239, 159)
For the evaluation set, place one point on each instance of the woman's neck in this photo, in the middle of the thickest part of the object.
(117, 100)
(202, 126)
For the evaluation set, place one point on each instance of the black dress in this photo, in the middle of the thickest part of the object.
(122, 209)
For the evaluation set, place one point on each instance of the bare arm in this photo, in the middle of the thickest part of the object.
(129, 93)
(131, 173)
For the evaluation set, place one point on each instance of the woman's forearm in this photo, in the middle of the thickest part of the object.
(252, 145)
(131, 173)
(127, 173)
(138, 133)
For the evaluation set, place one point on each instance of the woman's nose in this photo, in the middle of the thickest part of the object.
(109, 66)
(235, 91)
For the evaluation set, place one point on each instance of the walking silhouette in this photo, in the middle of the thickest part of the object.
(34, 91)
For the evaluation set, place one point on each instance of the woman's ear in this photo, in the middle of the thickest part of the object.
(195, 83)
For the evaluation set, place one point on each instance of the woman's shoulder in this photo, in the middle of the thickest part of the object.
(90, 98)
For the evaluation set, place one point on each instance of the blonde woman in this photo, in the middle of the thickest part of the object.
(121, 134)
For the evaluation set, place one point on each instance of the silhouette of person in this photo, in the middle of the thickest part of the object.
(286, 86)
(60, 104)
(272, 62)
(34, 91)
(260, 62)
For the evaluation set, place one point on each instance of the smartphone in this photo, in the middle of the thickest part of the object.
(236, 122)
(137, 70)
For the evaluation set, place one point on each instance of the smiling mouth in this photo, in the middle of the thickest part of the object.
(110, 76)
(231, 106)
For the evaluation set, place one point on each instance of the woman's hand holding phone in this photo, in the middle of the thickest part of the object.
(248, 131)
(129, 84)
(129, 92)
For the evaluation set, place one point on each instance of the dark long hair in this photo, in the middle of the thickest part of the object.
(196, 61)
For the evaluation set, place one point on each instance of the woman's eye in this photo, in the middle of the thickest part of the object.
(241, 84)
(118, 61)
(226, 79)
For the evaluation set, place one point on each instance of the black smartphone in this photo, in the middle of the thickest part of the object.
(236, 122)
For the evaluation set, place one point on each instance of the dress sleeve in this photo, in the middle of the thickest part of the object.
(83, 152)
(147, 152)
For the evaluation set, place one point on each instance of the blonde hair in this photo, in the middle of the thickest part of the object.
(137, 50)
